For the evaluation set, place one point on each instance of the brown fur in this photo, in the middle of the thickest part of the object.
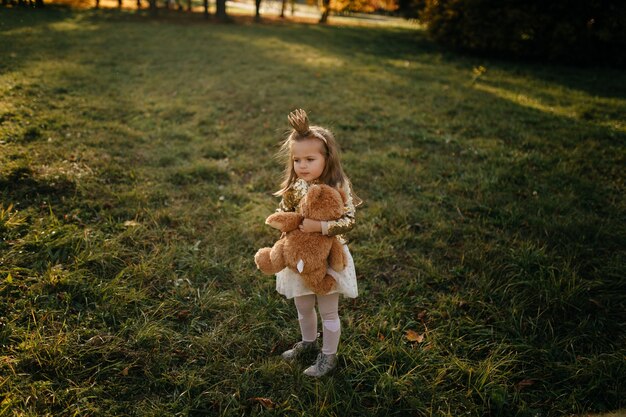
(323, 203)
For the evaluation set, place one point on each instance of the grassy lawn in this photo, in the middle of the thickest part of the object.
(136, 169)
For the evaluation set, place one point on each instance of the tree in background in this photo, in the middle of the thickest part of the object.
(411, 9)
(325, 11)
(283, 6)
(561, 30)
(220, 10)
(23, 3)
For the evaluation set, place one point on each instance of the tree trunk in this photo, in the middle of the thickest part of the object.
(293, 7)
(119, 4)
(325, 11)
(282, 9)
(138, 4)
(152, 5)
(206, 8)
(188, 5)
(97, 4)
(257, 15)
(38, 4)
(220, 10)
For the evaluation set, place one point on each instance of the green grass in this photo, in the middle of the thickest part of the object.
(136, 169)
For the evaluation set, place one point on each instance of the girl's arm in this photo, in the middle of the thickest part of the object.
(291, 198)
(282, 206)
(347, 221)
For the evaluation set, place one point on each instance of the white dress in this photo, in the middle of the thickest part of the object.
(289, 282)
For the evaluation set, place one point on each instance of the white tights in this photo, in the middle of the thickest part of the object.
(328, 305)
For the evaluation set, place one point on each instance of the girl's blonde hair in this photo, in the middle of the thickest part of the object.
(332, 174)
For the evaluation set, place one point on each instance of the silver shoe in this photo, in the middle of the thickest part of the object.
(323, 365)
(299, 349)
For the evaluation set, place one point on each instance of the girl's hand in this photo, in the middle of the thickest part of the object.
(311, 226)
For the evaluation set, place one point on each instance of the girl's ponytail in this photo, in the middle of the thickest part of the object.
(300, 122)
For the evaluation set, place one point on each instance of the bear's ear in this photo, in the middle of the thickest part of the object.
(311, 195)
(344, 198)
(314, 192)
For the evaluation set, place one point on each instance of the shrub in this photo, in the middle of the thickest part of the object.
(411, 8)
(581, 31)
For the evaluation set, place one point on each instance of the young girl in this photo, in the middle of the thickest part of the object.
(313, 158)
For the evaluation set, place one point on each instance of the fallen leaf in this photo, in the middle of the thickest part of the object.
(381, 337)
(413, 336)
(180, 353)
(183, 314)
(130, 223)
(596, 303)
(524, 383)
(265, 402)
(125, 371)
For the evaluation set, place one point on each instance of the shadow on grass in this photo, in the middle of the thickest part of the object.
(18, 18)
(510, 283)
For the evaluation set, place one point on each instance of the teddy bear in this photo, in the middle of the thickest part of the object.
(307, 253)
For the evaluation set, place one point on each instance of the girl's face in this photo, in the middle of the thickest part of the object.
(308, 159)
